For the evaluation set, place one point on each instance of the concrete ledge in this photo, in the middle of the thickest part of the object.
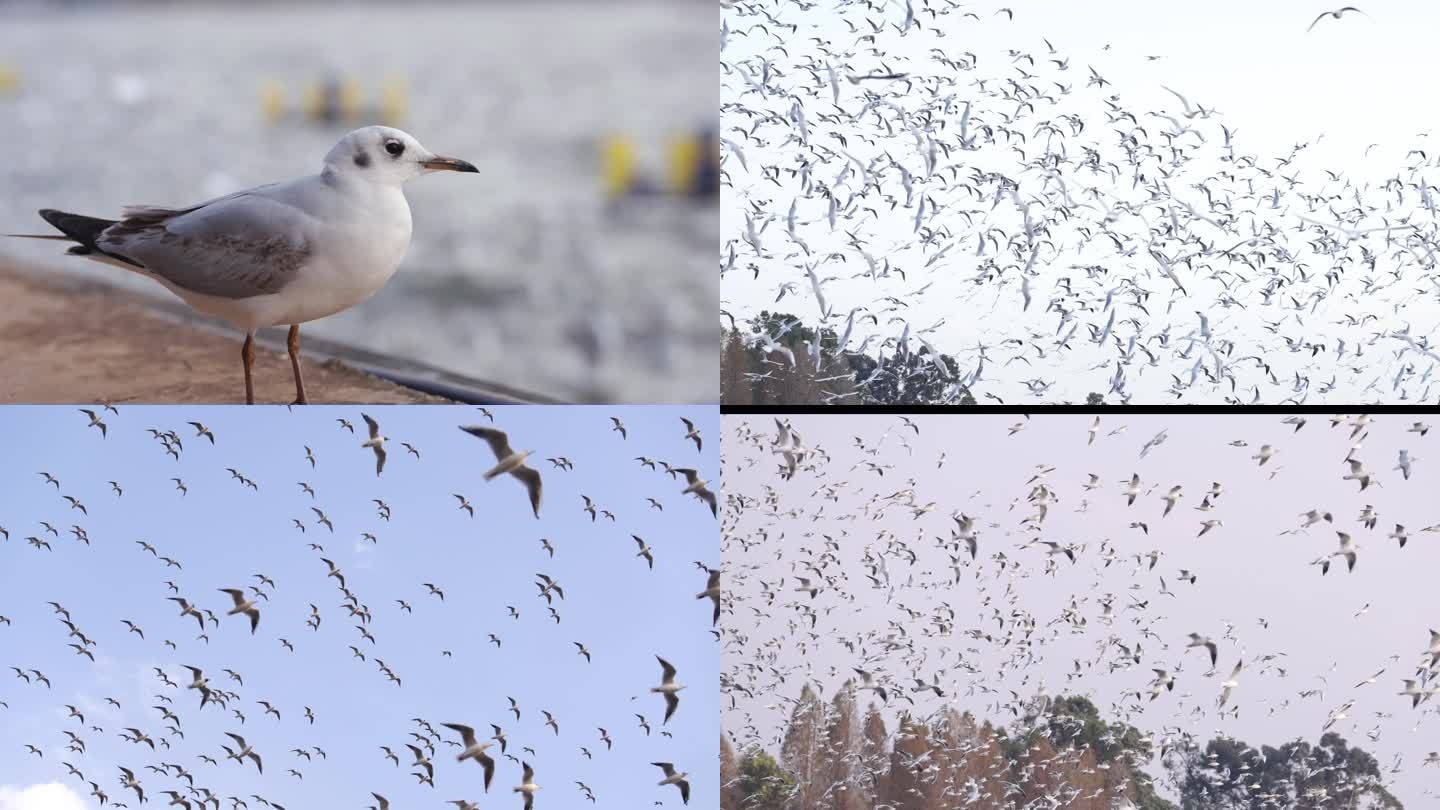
(64, 339)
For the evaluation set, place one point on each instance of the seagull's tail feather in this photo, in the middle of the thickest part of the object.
(82, 229)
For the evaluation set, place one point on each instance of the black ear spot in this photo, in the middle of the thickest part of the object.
(362, 159)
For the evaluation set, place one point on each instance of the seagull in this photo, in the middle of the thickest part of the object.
(866, 681)
(94, 422)
(201, 430)
(128, 781)
(1358, 473)
(1132, 489)
(645, 551)
(668, 688)
(199, 682)
(696, 485)
(1170, 499)
(1336, 14)
(186, 609)
(242, 605)
(284, 253)
(474, 750)
(1230, 683)
(1197, 640)
(376, 442)
(509, 461)
(1416, 694)
(1347, 550)
(1404, 464)
(527, 785)
(1163, 681)
(691, 432)
(1399, 534)
(676, 779)
(712, 592)
(243, 750)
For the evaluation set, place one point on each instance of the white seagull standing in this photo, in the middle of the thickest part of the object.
(284, 253)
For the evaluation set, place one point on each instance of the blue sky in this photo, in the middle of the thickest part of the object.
(222, 533)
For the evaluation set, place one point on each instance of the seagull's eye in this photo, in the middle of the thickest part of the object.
(395, 148)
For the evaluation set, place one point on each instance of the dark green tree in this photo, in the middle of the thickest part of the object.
(1230, 773)
(764, 785)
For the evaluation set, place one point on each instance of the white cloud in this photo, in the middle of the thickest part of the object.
(52, 796)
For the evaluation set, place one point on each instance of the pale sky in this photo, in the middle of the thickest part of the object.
(1270, 82)
(1327, 633)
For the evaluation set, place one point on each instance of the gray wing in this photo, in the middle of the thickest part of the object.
(531, 478)
(498, 441)
(234, 247)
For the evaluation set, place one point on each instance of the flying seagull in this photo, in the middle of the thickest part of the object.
(527, 785)
(376, 442)
(697, 485)
(668, 688)
(242, 605)
(243, 750)
(474, 750)
(509, 461)
(676, 779)
(712, 592)
(1336, 14)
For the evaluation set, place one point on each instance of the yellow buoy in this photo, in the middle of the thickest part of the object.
(272, 101)
(684, 164)
(393, 98)
(617, 158)
(9, 79)
(352, 98)
(314, 104)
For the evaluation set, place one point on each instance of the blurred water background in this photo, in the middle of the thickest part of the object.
(526, 274)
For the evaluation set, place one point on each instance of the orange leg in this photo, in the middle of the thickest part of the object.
(247, 355)
(293, 342)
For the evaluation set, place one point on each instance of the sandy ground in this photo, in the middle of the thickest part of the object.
(67, 342)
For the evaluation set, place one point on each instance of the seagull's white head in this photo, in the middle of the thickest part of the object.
(387, 156)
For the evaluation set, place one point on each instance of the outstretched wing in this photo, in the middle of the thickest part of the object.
(530, 477)
(498, 441)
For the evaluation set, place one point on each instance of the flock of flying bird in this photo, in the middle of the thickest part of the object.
(912, 565)
(197, 682)
(893, 173)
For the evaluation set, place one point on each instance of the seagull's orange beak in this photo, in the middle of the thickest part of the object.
(448, 164)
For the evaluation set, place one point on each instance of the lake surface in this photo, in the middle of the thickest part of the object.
(521, 275)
